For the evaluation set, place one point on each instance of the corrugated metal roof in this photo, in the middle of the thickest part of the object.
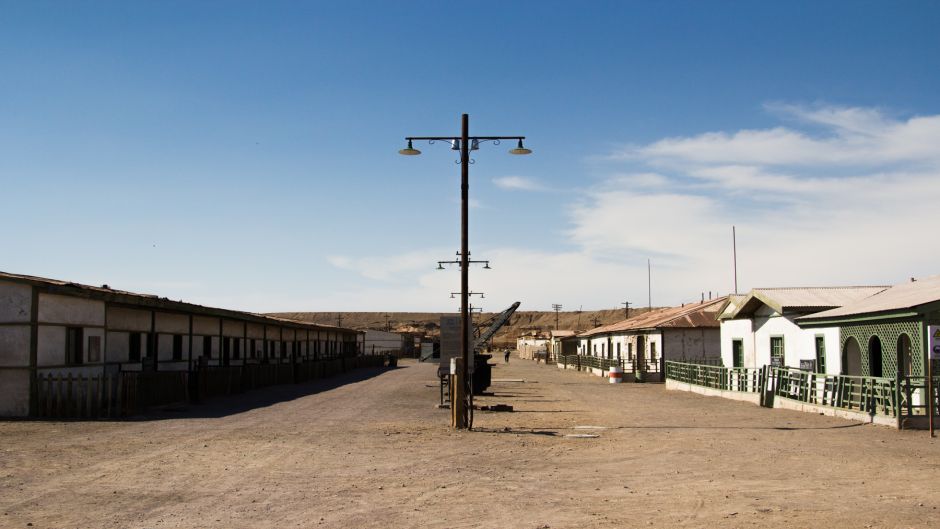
(694, 315)
(156, 302)
(806, 299)
(903, 296)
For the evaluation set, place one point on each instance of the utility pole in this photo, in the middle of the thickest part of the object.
(557, 308)
(339, 319)
(626, 309)
(734, 257)
(596, 321)
(461, 416)
(388, 328)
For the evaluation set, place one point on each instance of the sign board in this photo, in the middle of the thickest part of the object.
(933, 341)
(807, 365)
(450, 341)
(776, 362)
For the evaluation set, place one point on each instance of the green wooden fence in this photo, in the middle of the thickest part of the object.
(889, 397)
(742, 379)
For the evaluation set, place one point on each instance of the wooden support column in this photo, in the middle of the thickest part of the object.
(189, 355)
(221, 339)
(33, 352)
(154, 341)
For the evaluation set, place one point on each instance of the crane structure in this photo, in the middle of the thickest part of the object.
(485, 331)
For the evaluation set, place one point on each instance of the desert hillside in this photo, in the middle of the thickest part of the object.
(428, 323)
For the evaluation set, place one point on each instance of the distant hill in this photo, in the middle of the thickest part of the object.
(428, 323)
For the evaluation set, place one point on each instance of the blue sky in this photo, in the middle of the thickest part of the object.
(244, 154)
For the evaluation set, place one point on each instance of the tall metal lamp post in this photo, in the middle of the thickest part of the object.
(464, 143)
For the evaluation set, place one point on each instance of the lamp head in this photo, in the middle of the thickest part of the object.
(520, 149)
(440, 266)
(475, 145)
(455, 145)
(409, 150)
(487, 266)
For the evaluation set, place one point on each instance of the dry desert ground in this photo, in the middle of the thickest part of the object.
(369, 449)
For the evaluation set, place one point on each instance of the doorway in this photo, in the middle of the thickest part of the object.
(851, 358)
(875, 368)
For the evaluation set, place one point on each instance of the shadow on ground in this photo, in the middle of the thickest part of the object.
(222, 406)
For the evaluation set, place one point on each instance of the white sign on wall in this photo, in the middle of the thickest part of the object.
(933, 341)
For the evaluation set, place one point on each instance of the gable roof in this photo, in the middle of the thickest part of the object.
(731, 305)
(694, 315)
(802, 299)
(903, 296)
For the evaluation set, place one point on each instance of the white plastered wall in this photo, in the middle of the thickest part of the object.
(15, 301)
(691, 344)
(741, 329)
(72, 311)
(15, 306)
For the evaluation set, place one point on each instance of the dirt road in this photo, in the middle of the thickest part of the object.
(369, 449)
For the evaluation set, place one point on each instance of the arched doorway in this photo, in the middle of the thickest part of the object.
(851, 358)
(904, 356)
(875, 357)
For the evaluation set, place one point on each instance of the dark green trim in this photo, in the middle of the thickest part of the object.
(830, 322)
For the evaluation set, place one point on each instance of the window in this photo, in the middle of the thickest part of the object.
(252, 352)
(207, 346)
(595, 348)
(630, 352)
(776, 352)
(618, 349)
(737, 353)
(820, 354)
(133, 347)
(152, 346)
(74, 339)
(177, 347)
(237, 349)
(283, 349)
(652, 351)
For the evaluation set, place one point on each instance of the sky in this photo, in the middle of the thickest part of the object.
(244, 154)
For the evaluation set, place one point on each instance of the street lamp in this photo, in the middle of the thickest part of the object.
(465, 143)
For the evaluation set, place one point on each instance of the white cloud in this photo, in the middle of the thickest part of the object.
(518, 183)
(848, 203)
(834, 196)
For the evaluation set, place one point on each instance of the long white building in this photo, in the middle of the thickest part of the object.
(50, 327)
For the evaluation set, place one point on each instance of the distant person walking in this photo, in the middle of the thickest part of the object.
(506, 356)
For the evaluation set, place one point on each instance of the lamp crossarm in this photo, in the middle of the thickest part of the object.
(452, 138)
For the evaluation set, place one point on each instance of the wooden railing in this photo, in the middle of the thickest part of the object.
(872, 395)
(743, 379)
